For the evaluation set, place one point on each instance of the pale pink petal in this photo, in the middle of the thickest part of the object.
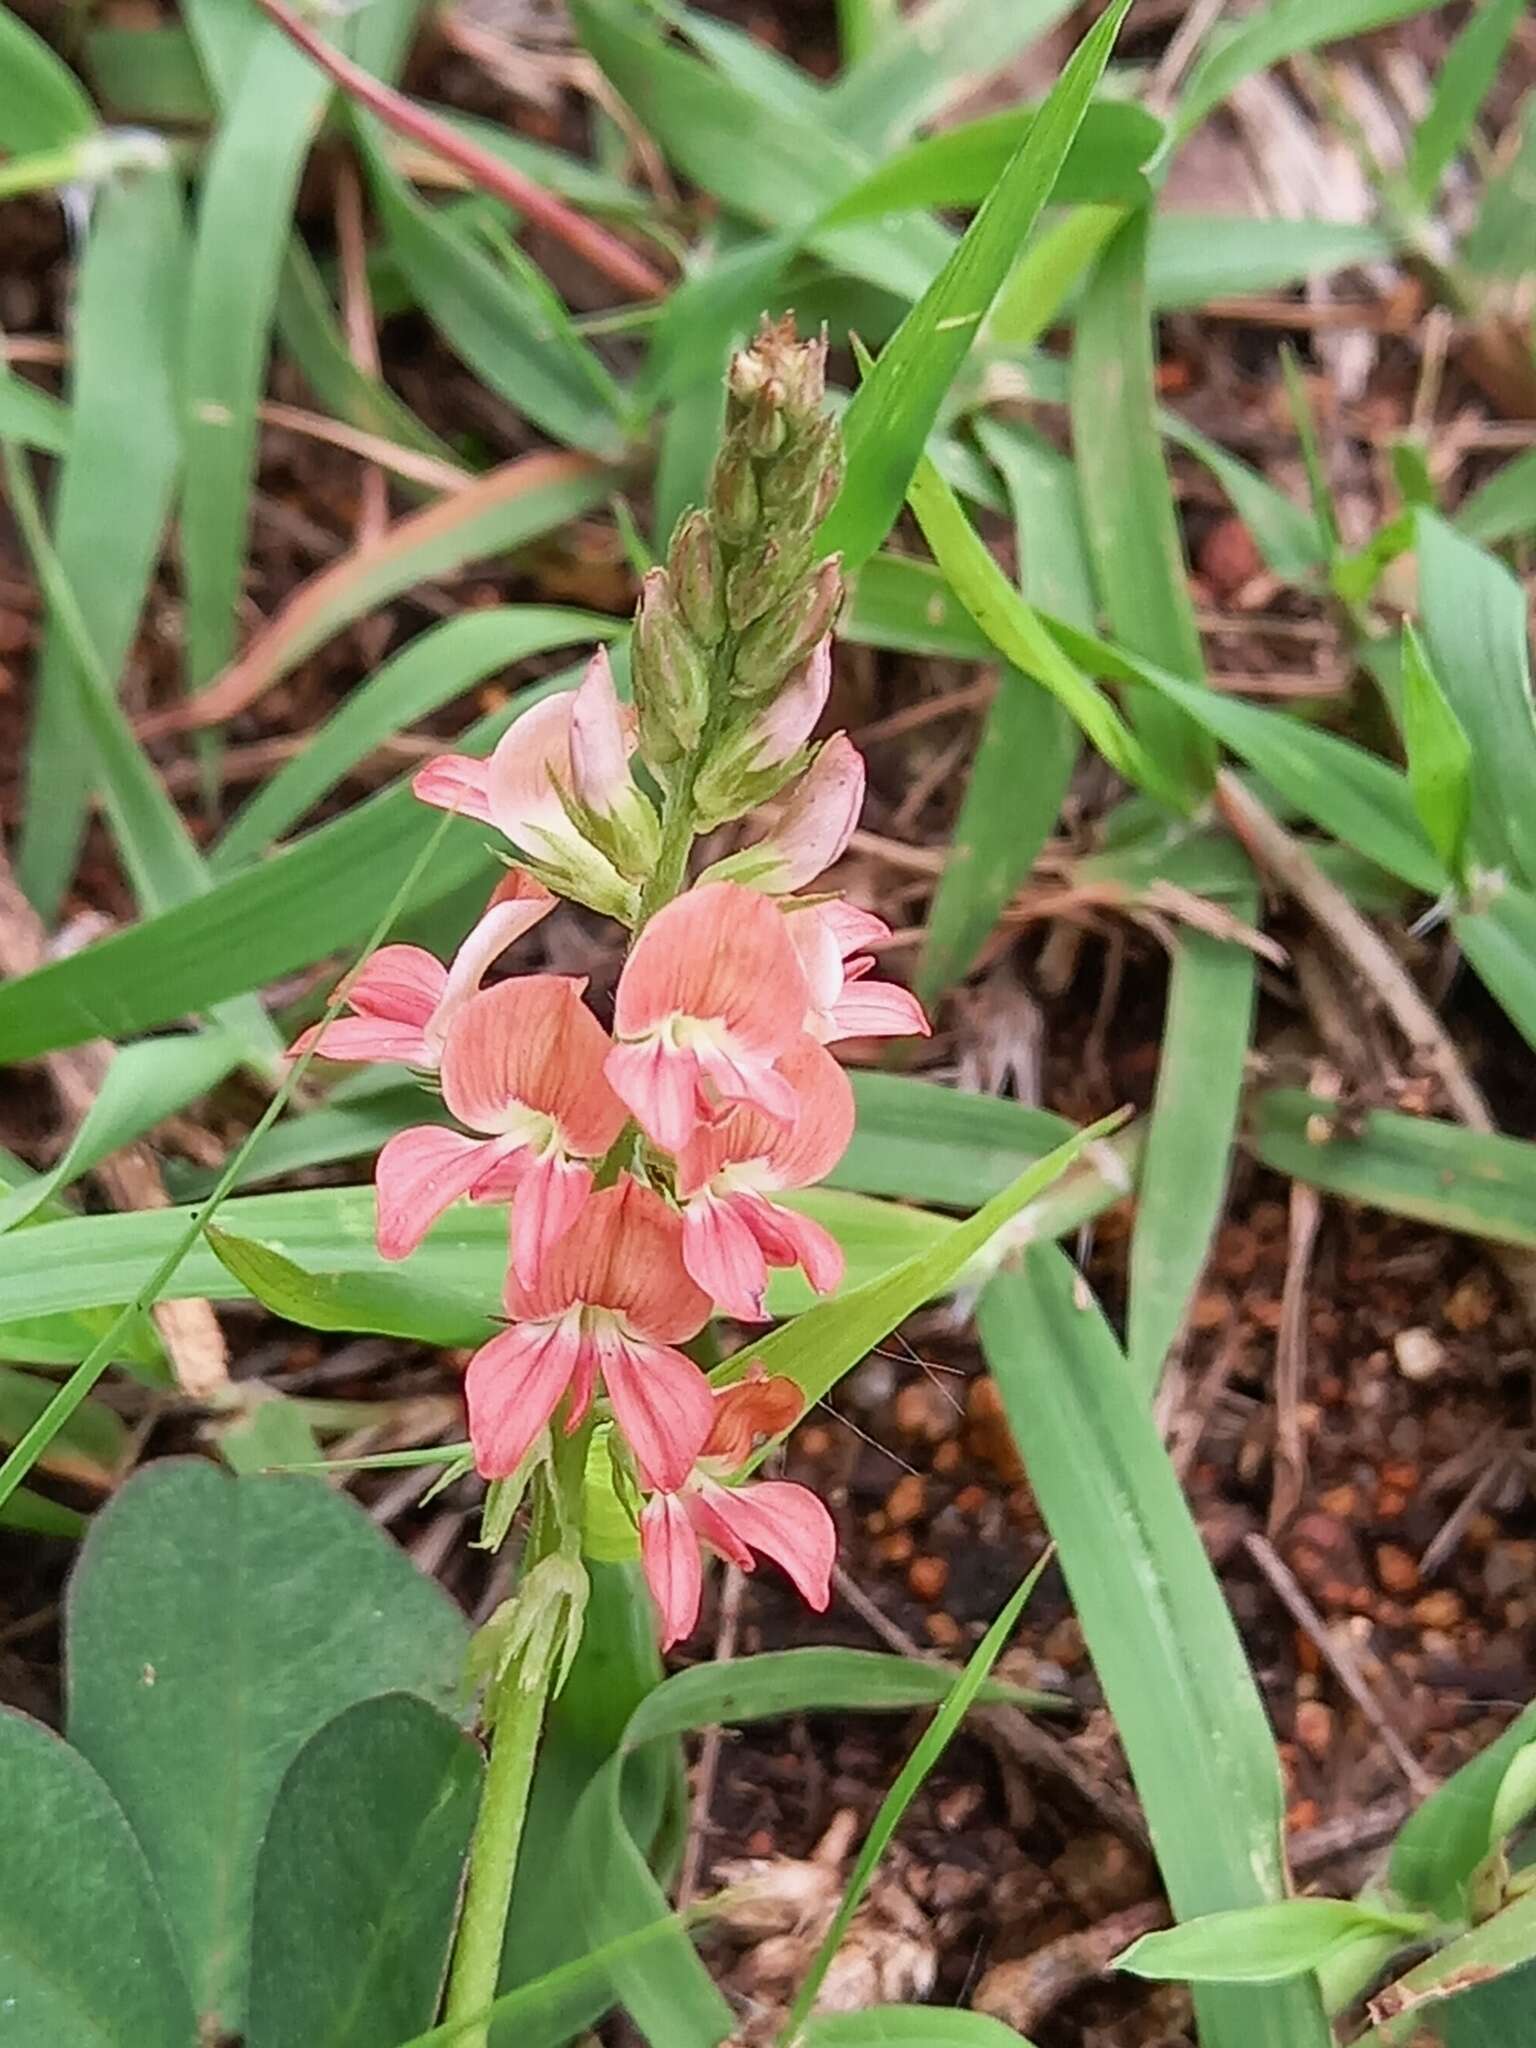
(790, 717)
(718, 1534)
(662, 1404)
(513, 1387)
(669, 1553)
(795, 1152)
(876, 1009)
(854, 930)
(624, 1253)
(550, 1195)
(520, 789)
(419, 1174)
(400, 983)
(453, 782)
(734, 1075)
(816, 824)
(785, 1522)
(659, 1085)
(600, 741)
(722, 1253)
(365, 1038)
(516, 907)
(531, 1044)
(805, 1243)
(721, 952)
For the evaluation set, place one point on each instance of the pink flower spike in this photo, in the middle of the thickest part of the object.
(710, 997)
(601, 740)
(732, 1231)
(669, 1553)
(454, 782)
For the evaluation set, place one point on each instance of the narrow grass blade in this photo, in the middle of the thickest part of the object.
(908, 606)
(428, 673)
(1015, 630)
(1190, 1133)
(1193, 258)
(148, 75)
(1474, 625)
(505, 322)
(1468, 1967)
(1439, 756)
(931, 1745)
(381, 1304)
(1504, 508)
(888, 422)
(1127, 498)
(1443, 1174)
(497, 514)
(913, 69)
(1500, 943)
(907, 2026)
(244, 212)
(32, 417)
(1273, 33)
(42, 105)
(1466, 75)
(1162, 1641)
(112, 494)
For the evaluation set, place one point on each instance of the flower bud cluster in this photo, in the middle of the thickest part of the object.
(646, 1165)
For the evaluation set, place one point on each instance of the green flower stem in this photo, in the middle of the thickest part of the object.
(497, 1838)
(669, 877)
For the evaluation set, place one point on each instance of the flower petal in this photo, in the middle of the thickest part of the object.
(720, 952)
(659, 1085)
(419, 1174)
(797, 1153)
(785, 1522)
(599, 739)
(531, 1044)
(749, 1412)
(550, 1195)
(401, 983)
(876, 1009)
(733, 1075)
(365, 1038)
(624, 1253)
(816, 824)
(662, 1404)
(513, 1387)
(669, 1553)
(516, 906)
(789, 719)
(805, 1243)
(520, 790)
(454, 782)
(723, 1255)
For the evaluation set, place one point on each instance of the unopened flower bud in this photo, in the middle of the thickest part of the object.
(763, 575)
(671, 677)
(800, 485)
(797, 370)
(756, 762)
(693, 563)
(783, 637)
(813, 829)
(607, 806)
(733, 492)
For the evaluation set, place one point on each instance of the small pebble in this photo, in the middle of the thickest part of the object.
(942, 1630)
(1419, 1353)
(922, 1412)
(927, 1577)
(1314, 1728)
(906, 1500)
(1396, 1569)
(1440, 1609)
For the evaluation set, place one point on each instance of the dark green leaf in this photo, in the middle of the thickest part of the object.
(390, 1304)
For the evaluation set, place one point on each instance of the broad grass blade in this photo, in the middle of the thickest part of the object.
(1466, 75)
(42, 105)
(915, 67)
(1500, 943)
(1162, 1641)
(1273, 33)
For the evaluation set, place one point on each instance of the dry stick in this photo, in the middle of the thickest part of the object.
(1341, 1660)
(1287, 861)
(604, 251)
(1291, 1356)
(1011, 1730)
(709, 1749)
(130, 1178)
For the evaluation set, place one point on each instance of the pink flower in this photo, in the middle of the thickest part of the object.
(523, 1065)
(812, 830)
(828, 938)
(787, 721)
(732, 1232)
(612, 1298)
(773, 1518)
(575, 744)
(404, 1000)
(711, 996)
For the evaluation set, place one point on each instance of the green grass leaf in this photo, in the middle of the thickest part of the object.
(1127, 498)
(1466, 1968)
(244, 213)
(1474, 626)
(214, 1625)
(1163, 1644)
(1500, 944)
(1503, 508)
(89, 1956)
(149, 75)
(1266, 1944)
(1466, 75)
(357, 1878)
(388, 1304)
(1439, 755)
(1440, 1845)
(924, 57)
(112, 494)
(1273, 33)
(1477, 1182)
(1193, 258)
(904, 2026)
(888, 422)
(42, 105)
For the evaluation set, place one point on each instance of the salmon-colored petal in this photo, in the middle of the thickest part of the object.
(854, 930)
(669, 1555)
(876, 1009)
(454, 782)
(724, 1257)
(419, 1174)
(730, 1075)
(516, 907)
(778, 1520)
(520, 788)
(816, 824)
(789, 719)
(720, 952)
(659, 1085)
(798, 1152)
(600, 740)
(801, 1241)
(710, 1528)
(400, 983)
(750, 1412)
(550, 1195)
(513, 1387)
(661, 1402)
(532, 1045)
(624, 1253)
(365, 1038)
